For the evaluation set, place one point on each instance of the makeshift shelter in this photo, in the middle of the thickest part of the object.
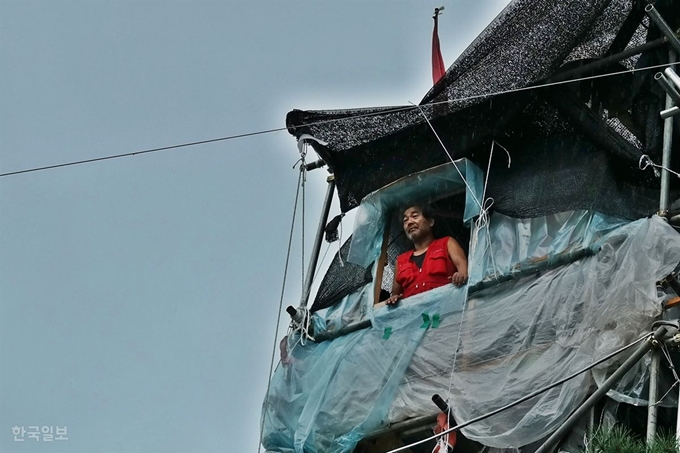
(564, 261)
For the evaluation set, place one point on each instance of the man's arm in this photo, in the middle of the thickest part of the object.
(396, 288)
(457, 256)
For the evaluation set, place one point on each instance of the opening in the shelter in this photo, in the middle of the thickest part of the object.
(447, 220)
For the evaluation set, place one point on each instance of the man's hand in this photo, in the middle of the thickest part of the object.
(459, 278)
(393, 300)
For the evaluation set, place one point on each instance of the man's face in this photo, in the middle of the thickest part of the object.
(415, 225)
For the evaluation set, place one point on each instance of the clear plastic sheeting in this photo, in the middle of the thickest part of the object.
(350, 309)
(504, 342)
(335, 393)
(633, 388)
(428, 185)
(511, 245)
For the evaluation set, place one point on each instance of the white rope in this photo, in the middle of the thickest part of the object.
(387, 110)
(303, 172)
(302, 326)
(546, 85)
(449, 155)
(442, 445)
(318, 269)
(675, 374)
(522, 399)
(482, 222)
(278, 317)
(342, 263)
(646, 161)
(465, 302)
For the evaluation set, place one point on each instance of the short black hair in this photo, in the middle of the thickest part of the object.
(425, 209)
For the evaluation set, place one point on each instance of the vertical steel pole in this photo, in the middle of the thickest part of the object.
(317, 241)
(677, 422)
(652, 407)
(664, 202)
(664, 206)
(573, 419)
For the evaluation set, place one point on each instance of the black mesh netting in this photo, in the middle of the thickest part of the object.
(529, 43)
(341, 279)
(573, 146)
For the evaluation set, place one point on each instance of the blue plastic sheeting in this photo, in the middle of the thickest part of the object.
(352, 308)
(428, 185)
(501, 344)
(336, 392)
(511, 245)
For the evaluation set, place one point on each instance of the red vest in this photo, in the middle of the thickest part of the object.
(436, 271)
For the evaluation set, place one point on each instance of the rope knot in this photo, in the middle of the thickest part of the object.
(645, 161)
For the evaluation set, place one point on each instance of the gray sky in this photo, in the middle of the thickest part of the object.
(138, 296)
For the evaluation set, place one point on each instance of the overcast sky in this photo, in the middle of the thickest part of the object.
(138, 296)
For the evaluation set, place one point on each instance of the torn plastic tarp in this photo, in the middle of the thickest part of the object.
(511, 339)
(438, 182)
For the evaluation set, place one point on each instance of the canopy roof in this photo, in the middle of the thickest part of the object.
(587, 136)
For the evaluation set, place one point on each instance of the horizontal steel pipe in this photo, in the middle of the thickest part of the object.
(669, 112)
(556, 261)
(333, 334)
(603, 62)
(552, 263)
(425, 421)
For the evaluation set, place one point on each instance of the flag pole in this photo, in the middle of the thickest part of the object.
(438, 68)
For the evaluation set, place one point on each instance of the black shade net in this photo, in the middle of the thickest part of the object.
(576, 145)
(584, 140)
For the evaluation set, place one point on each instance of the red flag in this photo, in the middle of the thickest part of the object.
(438, 69)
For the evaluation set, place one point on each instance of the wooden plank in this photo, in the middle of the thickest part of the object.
(382, 261)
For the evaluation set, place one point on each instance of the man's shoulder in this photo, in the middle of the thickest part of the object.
(442, 242)
(404, 256)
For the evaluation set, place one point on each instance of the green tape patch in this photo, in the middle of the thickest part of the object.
(426, 321)
(436, 319)
(387, 333)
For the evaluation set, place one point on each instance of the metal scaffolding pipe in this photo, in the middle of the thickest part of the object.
(668, 87)
(672, 76)
(671, 112)
(556, 261)
(652, 406)
(606, 61)
(663, 26)
(664, 201)
(317, 241)
(583, 410)
(425, 421)
(333, 334)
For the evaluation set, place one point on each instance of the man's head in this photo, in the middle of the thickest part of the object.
(417, 222)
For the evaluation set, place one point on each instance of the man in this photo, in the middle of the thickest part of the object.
(432, 263)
